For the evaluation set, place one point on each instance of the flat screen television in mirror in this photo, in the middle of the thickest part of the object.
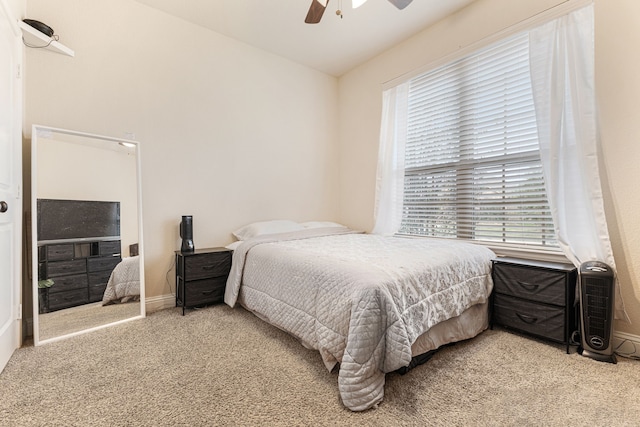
(77, 219)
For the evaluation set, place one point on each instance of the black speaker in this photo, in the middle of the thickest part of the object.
(597, 297)
(186, 233)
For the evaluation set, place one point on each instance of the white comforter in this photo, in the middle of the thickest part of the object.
(124, 282)
(360, 299)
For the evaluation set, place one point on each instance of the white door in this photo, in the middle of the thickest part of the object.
(10, 181)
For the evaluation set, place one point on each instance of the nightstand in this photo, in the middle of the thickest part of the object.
(535, 297)
(201, 276)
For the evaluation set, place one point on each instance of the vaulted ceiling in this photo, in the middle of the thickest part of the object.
(334, 46)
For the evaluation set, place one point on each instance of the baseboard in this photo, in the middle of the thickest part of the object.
(159, 303)
(626, 345)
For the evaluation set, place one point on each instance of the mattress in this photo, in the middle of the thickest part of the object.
(365, 302)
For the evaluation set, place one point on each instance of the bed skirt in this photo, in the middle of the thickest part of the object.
(470, 323)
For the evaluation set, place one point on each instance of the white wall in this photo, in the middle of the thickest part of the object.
(229, 134)
(617, 64)
(618, 89)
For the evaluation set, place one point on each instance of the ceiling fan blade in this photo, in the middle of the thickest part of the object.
(400, 4)
(316, 10)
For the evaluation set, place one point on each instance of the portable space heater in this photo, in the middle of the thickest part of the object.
(596, 288)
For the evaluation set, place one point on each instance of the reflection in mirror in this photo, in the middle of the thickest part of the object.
(87, 232)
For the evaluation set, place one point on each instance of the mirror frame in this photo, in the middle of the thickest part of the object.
(35, 130)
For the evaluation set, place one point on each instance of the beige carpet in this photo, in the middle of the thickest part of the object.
(69, 320)
(223, 366)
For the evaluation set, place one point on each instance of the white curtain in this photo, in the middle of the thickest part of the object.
(562, 73)
(390, 173)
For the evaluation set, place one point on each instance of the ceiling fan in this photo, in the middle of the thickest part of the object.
(316, 10)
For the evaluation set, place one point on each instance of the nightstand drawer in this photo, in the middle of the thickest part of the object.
(205, 291)
(535, 284)
(215, 264)
(539, 319)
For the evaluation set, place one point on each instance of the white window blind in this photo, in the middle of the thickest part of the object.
(472, 167)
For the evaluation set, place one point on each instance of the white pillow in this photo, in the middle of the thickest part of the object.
(266, 227)
(320, 224)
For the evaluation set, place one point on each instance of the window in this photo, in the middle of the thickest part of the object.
(472, 163)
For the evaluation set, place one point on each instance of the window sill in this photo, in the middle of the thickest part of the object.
(530, 254)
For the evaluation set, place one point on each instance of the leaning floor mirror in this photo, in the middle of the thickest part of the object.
(86, 233)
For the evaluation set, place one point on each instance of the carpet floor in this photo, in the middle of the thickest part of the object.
(67, 321)
(219, 366)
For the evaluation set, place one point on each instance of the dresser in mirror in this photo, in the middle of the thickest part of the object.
(86, 232)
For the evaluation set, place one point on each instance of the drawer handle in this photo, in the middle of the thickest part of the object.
(528, 286)
(207, 292)
(526, 318)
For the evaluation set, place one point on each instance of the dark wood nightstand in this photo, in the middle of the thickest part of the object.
(535, 297)
(201, 276)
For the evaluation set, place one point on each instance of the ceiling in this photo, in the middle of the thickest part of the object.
(333, 46)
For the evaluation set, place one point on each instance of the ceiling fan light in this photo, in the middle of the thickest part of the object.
(357, 3)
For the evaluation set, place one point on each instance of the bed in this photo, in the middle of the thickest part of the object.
(367, 303)
(124, 282)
